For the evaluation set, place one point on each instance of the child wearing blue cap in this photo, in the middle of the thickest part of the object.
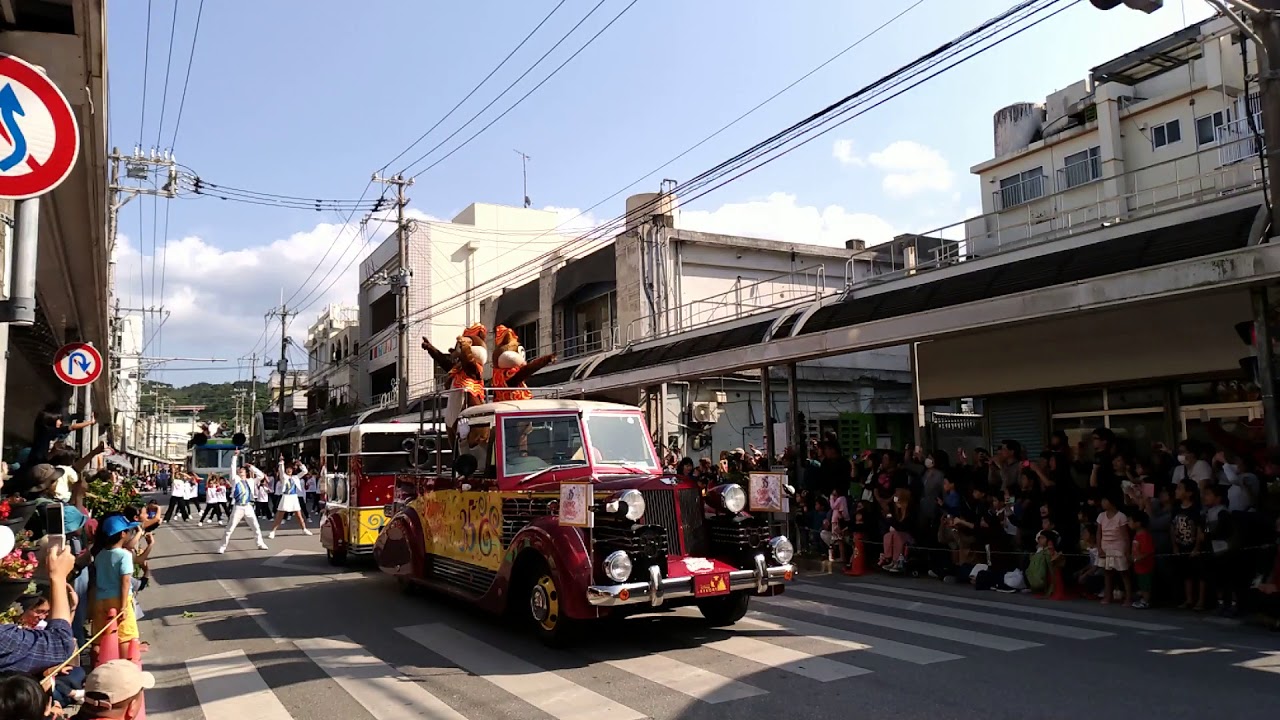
(112, 587)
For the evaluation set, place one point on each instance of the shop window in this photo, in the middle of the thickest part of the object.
(1078, 401)
(1079, 430)
(1135, 397)
(1140, 432)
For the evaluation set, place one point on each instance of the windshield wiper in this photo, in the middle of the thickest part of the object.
(551, 468)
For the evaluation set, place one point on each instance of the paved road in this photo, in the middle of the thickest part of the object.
(278, 634)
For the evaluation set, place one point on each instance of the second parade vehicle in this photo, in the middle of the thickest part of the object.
(629, 537)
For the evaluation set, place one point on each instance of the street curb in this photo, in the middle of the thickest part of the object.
(812, 566)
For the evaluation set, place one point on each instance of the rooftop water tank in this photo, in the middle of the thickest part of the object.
(641, 206)
(1017, 126)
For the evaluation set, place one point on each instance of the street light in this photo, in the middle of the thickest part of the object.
(1146, 6)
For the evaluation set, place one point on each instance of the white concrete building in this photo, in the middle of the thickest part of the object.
(126, 381)
(332, 358)
(448, 260)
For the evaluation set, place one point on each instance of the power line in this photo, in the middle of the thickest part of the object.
(523, 75)
(168, 66)
(475, 89)
(146, 73)
(1018, 13)
(182, 104)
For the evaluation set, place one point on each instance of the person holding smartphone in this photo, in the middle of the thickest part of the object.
(28, 650)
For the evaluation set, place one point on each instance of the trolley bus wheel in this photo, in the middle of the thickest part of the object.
(337, 558)
(725, 610)
(543, 607)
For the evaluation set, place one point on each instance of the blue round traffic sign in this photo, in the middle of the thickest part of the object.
(77, 364)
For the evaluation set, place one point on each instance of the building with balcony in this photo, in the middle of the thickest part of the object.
(68, 39)
(126, 381)
(448, 261)
(1124, 238)
(332, 347)
(656, 280)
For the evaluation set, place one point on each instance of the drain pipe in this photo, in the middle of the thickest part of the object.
(20, 307)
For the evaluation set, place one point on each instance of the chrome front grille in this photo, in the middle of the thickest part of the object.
(696, 542)
(660, 509)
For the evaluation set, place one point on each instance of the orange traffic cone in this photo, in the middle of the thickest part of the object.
(859, 565)
(135, 654)
(109, 642)
(1059, 586)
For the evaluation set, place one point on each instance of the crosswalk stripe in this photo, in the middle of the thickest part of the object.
(1005, 621)
(684, 678)
(793, 661)
(915, 627)
(545, 690)
(1019, 607)
(850, 641)
(383, 691)
(229, 686)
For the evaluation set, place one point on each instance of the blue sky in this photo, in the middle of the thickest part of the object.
(310, 98)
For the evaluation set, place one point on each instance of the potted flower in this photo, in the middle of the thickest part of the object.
(15, 512)
(18, 566)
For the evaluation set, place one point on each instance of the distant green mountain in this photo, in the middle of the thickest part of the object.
(218, 398)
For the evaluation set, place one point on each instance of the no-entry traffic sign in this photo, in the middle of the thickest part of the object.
(39, 135)
(77, 364)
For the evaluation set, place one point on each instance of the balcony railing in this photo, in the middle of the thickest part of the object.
(588, 343)
(1237, 141)
(1227, 168)
(1081, 172)
(1022, 192)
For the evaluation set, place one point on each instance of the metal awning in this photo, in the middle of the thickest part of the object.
(1163, 55)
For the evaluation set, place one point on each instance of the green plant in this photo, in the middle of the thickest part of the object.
(106, 496)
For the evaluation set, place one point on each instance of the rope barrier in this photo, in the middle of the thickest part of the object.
(50, 675)
(981, 548)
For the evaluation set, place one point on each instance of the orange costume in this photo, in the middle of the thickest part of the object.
(510, 369)
(466, 361)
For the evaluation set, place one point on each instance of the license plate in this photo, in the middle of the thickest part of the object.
(389, 510)
(711, 584)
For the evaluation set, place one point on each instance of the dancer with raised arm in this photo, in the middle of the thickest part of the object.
(291, 492)
(242, 502)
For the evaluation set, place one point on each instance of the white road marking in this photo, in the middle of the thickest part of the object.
(915, 627)
(258, 614)
(1269, 662)
(793, 661)
(229, 686)
(1019, 607)
(848, 640)
(545, 690)
(693, 681)
(1004, 621)
(384, 692)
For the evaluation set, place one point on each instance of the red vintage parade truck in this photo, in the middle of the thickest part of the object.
(560, 512)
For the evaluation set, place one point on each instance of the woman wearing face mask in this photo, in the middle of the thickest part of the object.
(1191, 466)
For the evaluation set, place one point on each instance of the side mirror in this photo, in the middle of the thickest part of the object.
(465, 466)
(199, 440)
(238, 439)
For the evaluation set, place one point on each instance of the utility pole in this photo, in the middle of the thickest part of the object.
(524, 176)
(400, 287)
(284, 313)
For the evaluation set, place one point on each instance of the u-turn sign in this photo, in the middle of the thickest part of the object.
(77, 364)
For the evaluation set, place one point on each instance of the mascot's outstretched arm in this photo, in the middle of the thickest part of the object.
(519, 377)
(439, 356)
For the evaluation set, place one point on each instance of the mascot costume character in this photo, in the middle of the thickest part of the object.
(510, 369)
(466, 361)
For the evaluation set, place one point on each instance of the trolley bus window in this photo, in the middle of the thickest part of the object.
(383, 453)
(482, 451)
(532, 444)
(620, 440)
(207, 457)
(337, 449)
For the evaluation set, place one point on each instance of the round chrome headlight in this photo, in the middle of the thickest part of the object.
(634, 504)
(617, 566)
(782, 549)
(733, 497)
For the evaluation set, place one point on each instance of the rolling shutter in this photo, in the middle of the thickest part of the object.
(1018, 417)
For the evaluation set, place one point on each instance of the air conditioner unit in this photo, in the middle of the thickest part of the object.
(706, 412)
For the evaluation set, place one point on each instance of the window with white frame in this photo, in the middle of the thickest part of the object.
(1135, 414)
(1022, 187)
(1082, 167)
(1166, 133)
(1207, 126)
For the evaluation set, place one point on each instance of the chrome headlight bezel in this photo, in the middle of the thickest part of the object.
(782, 549)
(617, 566)
(628, 502)
(730, 498)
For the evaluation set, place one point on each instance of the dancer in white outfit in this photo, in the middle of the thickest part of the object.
(242, 503)
(291, 492)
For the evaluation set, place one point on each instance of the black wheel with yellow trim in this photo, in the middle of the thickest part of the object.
(338, 557)
(543, 607)
(724, 610)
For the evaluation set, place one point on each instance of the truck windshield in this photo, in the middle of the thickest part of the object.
(619, 440)
(533, 443)
(213, 458)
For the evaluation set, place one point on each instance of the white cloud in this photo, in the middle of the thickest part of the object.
(572, 220)
(842, 150)
(911, 168)
(780, 217)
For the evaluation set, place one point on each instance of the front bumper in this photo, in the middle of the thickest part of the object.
(658, 589)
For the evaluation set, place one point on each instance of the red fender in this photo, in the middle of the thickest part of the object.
(400, 551)
(332, 533)
(565, 551)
